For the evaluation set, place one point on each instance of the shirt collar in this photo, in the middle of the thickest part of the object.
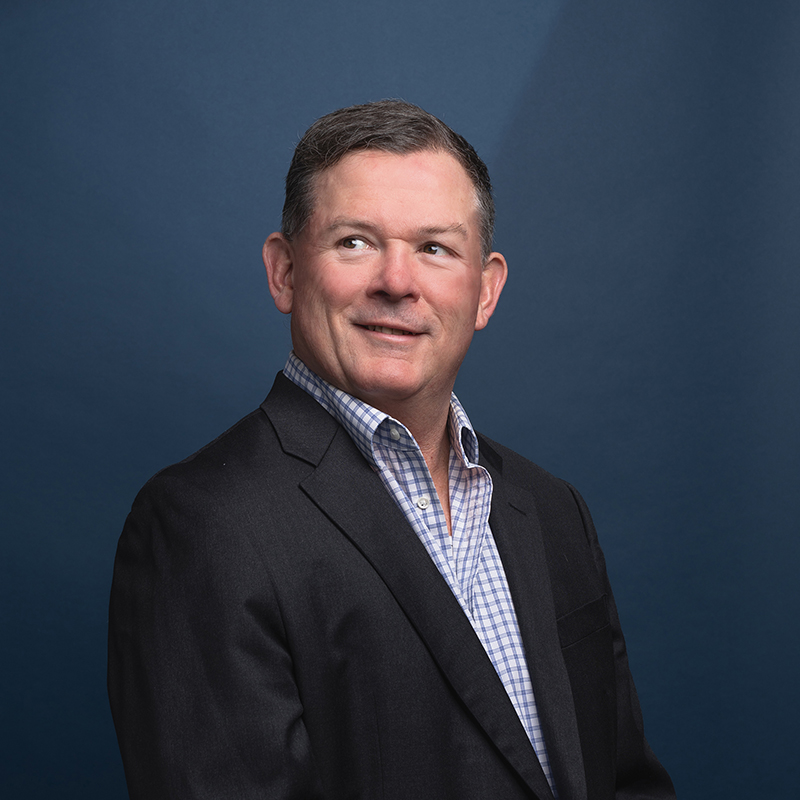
(363, 422)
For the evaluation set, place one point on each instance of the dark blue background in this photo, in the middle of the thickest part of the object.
(646, 159)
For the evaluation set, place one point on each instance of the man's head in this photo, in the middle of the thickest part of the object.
(387, 278)
(390, 126)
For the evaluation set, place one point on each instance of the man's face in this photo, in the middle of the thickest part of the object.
(386, 284)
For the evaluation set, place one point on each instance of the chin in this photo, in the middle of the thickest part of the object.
(392, 386)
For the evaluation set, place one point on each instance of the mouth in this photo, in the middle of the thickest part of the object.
(392, 331)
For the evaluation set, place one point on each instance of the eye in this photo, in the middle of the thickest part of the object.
(353, 243)
(433, 249)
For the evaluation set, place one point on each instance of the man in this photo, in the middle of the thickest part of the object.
(350, 594)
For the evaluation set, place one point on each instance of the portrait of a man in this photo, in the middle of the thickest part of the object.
(351, 592)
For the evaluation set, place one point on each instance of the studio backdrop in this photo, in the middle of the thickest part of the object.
(646, 163)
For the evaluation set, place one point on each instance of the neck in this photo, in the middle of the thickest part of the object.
(430, 430)
(428, 425)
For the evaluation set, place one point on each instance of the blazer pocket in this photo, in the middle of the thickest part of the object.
(583, 621)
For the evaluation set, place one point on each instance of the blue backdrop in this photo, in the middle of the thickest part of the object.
(646, 161)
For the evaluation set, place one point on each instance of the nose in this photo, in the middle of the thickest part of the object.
(395, 276)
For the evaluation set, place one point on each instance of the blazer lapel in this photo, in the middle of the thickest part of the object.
(375, 525)
(516, 529)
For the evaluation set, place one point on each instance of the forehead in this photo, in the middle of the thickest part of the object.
(425, 187)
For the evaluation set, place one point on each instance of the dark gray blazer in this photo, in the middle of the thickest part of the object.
(277, 630)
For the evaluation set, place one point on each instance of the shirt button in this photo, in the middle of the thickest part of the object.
(423, 502)
(394, 433)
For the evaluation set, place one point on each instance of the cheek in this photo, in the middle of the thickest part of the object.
(318, 309)
(462, 308)
(327, 289)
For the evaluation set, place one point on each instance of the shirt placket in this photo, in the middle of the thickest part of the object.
(468, 523)
(401, 462)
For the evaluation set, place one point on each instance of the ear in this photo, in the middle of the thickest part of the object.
(279, 261)
(493, 279)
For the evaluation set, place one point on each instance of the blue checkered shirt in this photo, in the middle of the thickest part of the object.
(468, 560)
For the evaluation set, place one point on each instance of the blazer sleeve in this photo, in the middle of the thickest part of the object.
(199, 673)
(639, 774)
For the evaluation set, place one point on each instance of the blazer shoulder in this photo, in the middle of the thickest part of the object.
(556, 499)
(243, 442)
(517, 469)
(272, 446)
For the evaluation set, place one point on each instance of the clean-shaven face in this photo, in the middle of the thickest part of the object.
(386, 285)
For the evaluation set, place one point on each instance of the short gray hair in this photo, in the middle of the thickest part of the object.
(391, 126)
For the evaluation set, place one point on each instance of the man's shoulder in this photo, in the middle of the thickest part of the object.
(553, 497)
(261, 445)
(240, 444)
(515, 467)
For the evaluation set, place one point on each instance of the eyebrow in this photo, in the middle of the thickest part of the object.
(347, 222)
(457, 228)
(422, 233)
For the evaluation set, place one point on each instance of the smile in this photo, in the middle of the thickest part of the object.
(393, 331)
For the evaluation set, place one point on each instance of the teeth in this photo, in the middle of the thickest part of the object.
(394, 331)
